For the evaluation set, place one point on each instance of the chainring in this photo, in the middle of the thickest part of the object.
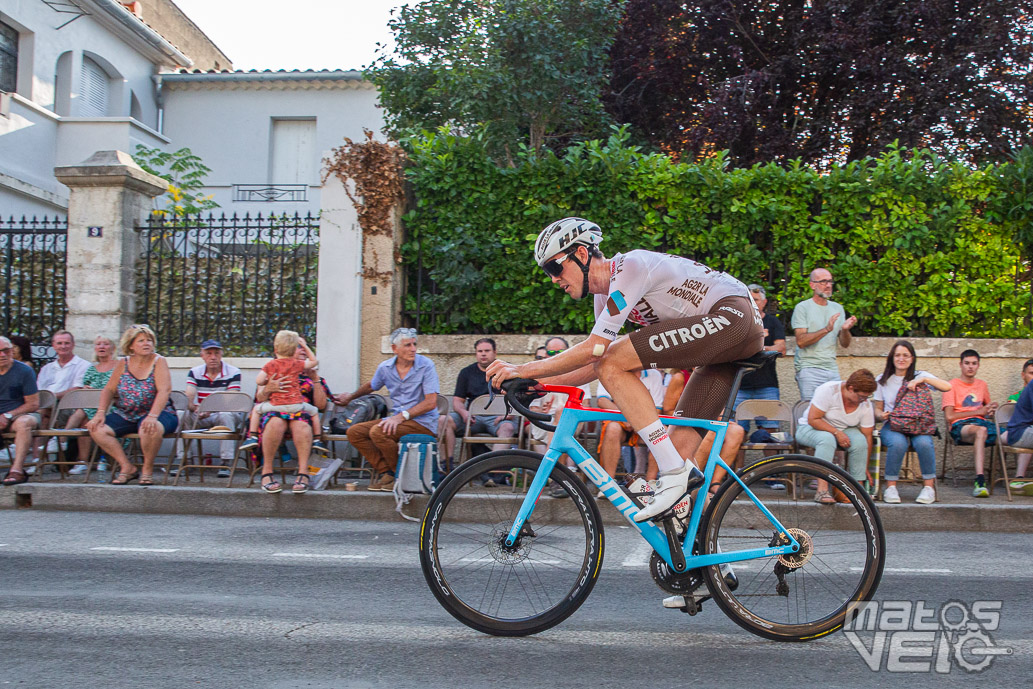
(678, 584)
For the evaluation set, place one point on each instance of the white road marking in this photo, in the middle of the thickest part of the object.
(137, 550)
(908, 570)
(322, 555)
(491, 559)
(639, 557)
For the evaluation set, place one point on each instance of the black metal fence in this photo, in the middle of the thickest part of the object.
(32, 274)
(237, 280)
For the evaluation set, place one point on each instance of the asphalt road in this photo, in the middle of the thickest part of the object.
(114, 600)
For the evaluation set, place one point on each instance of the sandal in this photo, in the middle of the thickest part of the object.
(146, 480)
(271, 487)
(300, 486)
(123, 478)
(824, 497)
(10, 480)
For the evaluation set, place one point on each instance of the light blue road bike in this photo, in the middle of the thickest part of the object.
(505, 562)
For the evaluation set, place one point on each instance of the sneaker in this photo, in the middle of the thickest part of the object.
(173, 473)
(318, 446)
(224, 472)
(979, 490)
(250, 443)
(890, 495)
(670, 486)
(776, 485)
(488, 483)
(387, 483)
(927, 496)
(1019, 483)
(77, 470)
(1028, 489)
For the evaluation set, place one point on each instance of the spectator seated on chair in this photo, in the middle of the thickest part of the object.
(470, 384)
(968, 410)
(412, 382)
(142, 383)
(900, 371)
(275, 428)
(762, 384)
(1019, 481)
(19, 400)
(214, 375)
(1020, 431)
(95, 378)
(840, 416)
(60, 376)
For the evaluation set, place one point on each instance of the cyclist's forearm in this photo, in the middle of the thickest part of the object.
(580, 376)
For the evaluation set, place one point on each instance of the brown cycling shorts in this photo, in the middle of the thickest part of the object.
(731, 331)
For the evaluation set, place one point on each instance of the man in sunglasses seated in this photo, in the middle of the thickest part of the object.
(691, 315)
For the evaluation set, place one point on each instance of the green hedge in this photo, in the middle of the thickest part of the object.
(918, 245)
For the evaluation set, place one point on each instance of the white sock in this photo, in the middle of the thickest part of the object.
(659, 443)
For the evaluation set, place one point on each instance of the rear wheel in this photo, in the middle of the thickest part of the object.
(804, 595)
(510, 590)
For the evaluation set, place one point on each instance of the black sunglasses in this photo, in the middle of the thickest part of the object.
(554, 268)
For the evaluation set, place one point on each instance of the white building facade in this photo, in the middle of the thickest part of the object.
(74, 79)
(264, 134)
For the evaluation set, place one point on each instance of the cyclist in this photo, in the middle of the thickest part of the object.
(691, 315)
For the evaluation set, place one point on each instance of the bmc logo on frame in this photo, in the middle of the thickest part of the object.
(910, 636)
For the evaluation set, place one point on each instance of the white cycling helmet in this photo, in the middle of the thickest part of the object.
(563, 234)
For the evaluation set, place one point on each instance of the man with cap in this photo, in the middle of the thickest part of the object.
(214, 375)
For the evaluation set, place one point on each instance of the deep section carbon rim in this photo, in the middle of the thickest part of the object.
(802, 595)
(520, 589)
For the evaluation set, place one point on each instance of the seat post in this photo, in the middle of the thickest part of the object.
(733, 393)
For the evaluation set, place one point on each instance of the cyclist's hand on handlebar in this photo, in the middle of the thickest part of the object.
(500, 371)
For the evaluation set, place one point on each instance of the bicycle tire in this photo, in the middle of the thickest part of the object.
(840, 563)
(531, 587)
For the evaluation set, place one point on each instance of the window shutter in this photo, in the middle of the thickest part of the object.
(93, 90)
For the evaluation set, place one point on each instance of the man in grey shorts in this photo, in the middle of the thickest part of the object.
(19, 400)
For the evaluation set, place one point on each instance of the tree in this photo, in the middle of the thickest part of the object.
(185, 173)
(529, 71)
(828, 82)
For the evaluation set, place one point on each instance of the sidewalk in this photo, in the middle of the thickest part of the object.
(956, 510)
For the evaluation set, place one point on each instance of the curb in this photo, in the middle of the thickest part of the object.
(250, 502)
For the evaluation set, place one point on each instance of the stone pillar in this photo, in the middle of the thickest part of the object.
(340, 296)
(382, 283)
(109, 195)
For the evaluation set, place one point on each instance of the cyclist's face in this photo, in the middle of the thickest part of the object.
(569, 278)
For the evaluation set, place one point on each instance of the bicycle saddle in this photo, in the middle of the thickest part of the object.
(755, 361)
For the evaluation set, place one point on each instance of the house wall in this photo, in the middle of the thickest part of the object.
(229, 124)
(32, 136)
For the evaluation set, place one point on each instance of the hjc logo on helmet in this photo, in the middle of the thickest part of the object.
(569, 237)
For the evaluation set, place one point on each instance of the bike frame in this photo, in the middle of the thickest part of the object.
(563, 442)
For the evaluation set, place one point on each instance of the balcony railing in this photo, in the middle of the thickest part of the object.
(270, 192)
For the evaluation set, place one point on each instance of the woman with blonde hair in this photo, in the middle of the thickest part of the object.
(142, 384)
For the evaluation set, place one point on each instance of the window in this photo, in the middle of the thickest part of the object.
(294, 157)
(93, 90)
(8, 58)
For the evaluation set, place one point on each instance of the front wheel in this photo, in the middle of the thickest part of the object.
(803, 595)
(510, 590)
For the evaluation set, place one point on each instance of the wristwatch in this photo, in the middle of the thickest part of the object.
(405, 414)
(7, 415)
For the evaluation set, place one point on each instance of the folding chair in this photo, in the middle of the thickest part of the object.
(949, 460)
(1001, 419)
(480, 406)
(73, 400)
(47, 399)
(181, 405)
(223, 401)
(768, 410)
